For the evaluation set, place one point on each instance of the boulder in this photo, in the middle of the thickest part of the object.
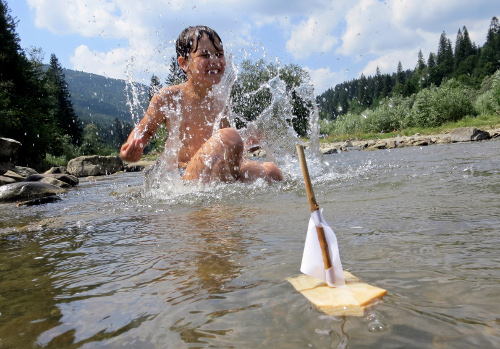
(328, 149)
(28, 191)
(8, 154)
(39, 201)
(347, 144)
(57, 169)
(6, 180)
(420, 142)
(94, 165)
(24, 171)
(494, 133)
(66, 178)
(443, 140)
(55, 182)
(467, 134)
(391, 144)
(11, 174)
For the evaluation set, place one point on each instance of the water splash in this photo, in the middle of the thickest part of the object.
(274, 124)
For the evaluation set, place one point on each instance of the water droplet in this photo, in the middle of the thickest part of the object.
(377, 326)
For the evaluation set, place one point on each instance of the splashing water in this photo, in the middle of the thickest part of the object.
(162, 180)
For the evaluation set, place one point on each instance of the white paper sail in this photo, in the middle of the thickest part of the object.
(312, 259)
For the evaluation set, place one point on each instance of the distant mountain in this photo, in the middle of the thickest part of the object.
(99, 99)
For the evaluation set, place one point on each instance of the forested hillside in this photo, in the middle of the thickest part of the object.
(100, 99)
(467, 63)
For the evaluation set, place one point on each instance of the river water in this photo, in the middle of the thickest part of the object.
(112, 267)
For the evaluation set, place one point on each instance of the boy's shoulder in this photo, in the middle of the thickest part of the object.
(170, 90)
(168, 94)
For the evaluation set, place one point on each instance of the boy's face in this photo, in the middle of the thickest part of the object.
(207, 65)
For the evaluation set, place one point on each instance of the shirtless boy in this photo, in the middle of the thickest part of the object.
(204, 154)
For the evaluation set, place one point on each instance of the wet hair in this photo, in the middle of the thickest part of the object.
(187, 41)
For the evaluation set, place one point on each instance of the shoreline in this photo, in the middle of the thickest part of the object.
(458, 135)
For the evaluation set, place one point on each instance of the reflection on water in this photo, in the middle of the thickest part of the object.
(109, 267)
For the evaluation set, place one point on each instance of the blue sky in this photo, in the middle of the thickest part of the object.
(334, 41)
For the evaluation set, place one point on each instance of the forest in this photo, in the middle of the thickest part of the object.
(454, 83)
(55, 125)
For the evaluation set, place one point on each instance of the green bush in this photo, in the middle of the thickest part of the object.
(347, 124)
(483, 104)
(326, 127)
(495, 92)
(435, 106)
(392, 114)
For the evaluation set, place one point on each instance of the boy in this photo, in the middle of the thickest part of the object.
(203, 154)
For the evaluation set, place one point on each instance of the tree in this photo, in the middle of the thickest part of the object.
(93, 141)
(176, 75)
(379, 81)
(445, 59)
(362, 92)
(489, 60)
(64, 113)
(420, 61)
(26, 113)
(154, 86)
(251, 94)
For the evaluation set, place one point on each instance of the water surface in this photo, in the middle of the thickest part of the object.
(110, 267)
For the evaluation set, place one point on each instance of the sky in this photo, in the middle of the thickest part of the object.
(334, 41)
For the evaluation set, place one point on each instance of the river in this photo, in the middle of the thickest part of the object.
(111, 267)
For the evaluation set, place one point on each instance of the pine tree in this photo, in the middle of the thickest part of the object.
(64, 113)
(154, 86)
(489, 60)
(362, 93)
(26, 104)
(459, 49)
(176, 75)
(445, 60)
(379, 81)
(420, 61)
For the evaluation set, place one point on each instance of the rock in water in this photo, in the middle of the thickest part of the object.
(28, 190)
(467, 134)
(94, 165)
(24, 171)
(57, 169)
(66, 178)
(39, 201)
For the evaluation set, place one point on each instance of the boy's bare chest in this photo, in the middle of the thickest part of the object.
(198, 120)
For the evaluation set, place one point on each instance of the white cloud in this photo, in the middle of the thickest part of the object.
(364, 34)
(388, 63)
(111, 64)
(311, 36)
(324, 78)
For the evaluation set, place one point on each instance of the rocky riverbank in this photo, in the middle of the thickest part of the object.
(465, 134)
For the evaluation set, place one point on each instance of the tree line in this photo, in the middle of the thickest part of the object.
(467, 63)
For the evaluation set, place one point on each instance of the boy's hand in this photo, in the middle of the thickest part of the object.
(132, 150)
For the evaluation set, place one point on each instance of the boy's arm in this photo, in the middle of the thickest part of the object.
(140, 136)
